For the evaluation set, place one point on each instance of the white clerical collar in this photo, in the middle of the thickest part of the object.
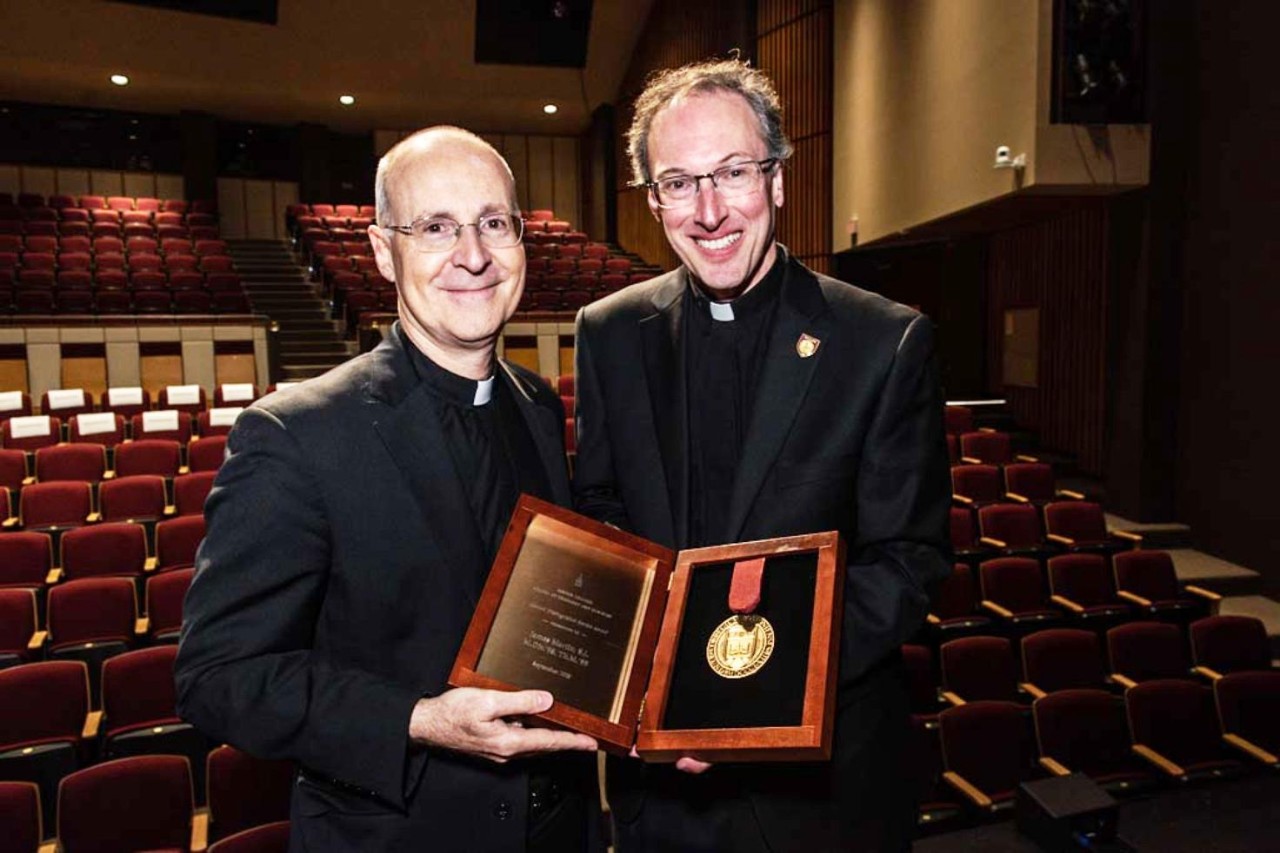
(722, 311)
(484, 391)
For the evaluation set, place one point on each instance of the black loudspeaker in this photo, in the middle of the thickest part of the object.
(1067, 813)
(533, 32)
(1099, 62)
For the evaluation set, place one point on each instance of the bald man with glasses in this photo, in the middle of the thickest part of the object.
(743, 396)
(350, 532)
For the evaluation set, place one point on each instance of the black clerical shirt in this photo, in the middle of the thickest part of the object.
(723, 360)
(490, 444)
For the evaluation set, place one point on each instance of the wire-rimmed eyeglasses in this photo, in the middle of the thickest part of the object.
(440, 233)
(732, 180)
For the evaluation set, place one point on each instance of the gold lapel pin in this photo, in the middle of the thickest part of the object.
(807, 345)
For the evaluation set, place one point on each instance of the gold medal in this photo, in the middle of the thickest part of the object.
(740, 646)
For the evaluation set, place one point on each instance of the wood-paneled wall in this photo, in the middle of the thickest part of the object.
(254, 209)
(793, 46)
(16, 178)
(1061, 267)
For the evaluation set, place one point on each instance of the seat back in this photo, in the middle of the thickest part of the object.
(1062, 659)
(955, 595)
(21, 824)
(13, 469)
(1230, 644)
(191, 490)
(1082, 521)
(993, 448)
(31, 432)
(964, 535)
(162, 457)
(1249, 706)
(105, 428)
(164, 596)
(43, 703)
(918, 662)
(18, 621)
(25, 558)
(206, 453)
(989, 744)
(137, 689)
(1014, 583)
(976, 668)
(1176, 718)
(140, 803)
(1149, 574)
(136, 498)
(1084, 730)
(125, 400)
(177, 540)
(1032, 480)
(1017, 525)
(164, 423)
(97, 610)
(104, 550)
(1083, 578)
(244, 791)
(958, 419)
(1144, 651)
(85, 463)
(267, 838)
(60, 503)
(979, 483)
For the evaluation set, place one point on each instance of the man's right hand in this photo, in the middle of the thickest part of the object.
(477, 722)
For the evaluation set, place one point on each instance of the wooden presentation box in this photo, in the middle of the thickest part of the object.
(632, 638)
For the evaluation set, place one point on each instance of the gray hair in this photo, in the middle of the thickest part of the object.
(416, 142)
(727, 75)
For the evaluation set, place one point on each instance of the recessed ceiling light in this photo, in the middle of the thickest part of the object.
(550, 109)
(346, 100)
(120, 79)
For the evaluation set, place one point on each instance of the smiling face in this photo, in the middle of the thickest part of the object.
(452, 304)
(727, 243)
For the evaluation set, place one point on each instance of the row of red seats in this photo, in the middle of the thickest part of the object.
(975, 486)
(62, 201)
(98, 463)
(148, 274)
(60, 246)
(72, 214)
(1023, 529)
(76, 228)
(1082, 589)
(570, 266)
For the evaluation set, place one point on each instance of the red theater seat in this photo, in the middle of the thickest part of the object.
(140, 803)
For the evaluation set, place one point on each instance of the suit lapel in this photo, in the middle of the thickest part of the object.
(784, 380)
(410, 429)
(546, 435)
(662, 333)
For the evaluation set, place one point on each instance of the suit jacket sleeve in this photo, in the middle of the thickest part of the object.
(595, 483)
(246, 671)
(903, 494)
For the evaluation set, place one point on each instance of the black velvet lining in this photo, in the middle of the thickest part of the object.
(774, 696)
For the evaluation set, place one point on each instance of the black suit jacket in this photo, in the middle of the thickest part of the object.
(849, 439)
(339, 574)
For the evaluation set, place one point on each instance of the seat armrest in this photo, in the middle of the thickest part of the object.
(1123, 680)
(993, 542)
(1070, 494)
(93, 518)
(108, 475)
(92, 722)
(199, 832)
(1250, 749)
(1028, 687)
(11, 522)
(1017, 498)
(150, 564)
(967, 788)
(1135, 538)
(952, 699)
(987, 429)
(970, 460)
(932, 620)
(961, 500)
(1133, 597)
(54, 576)
(142, 625)
(1023, 457)
(1054, 767)
(1063, 601)
(184, 469)
(1201, 592)
(1165, 765)
(37, 641)
(1206, 672)
(27, 481)
(996, 609)
(170, 510)
(1061, 540)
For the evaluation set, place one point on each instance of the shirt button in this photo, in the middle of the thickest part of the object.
(502, 810)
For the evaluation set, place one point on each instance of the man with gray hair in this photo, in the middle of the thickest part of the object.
(742, 397)
(350, 532)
